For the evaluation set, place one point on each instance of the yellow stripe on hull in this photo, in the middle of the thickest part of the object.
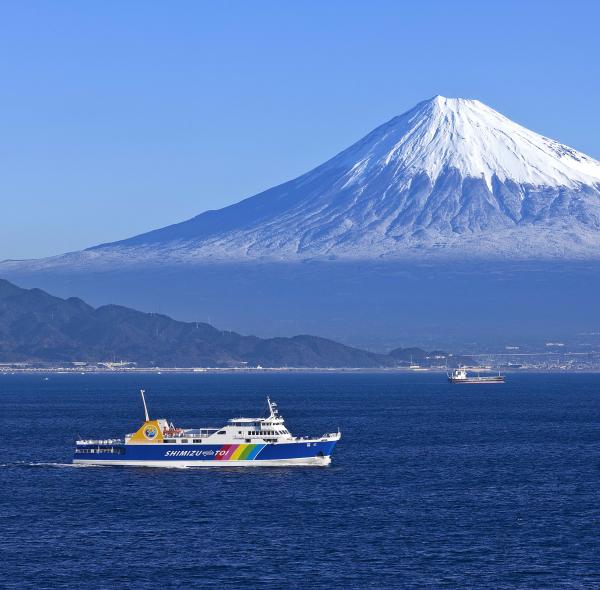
(236, 454)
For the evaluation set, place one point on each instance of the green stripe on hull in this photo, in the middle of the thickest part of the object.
(244, 454)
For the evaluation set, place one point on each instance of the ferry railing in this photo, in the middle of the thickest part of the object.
(107, 441)
(190, 433)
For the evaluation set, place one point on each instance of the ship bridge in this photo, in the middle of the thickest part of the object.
(270, 429)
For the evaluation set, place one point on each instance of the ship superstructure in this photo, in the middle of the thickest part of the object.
(262, 441)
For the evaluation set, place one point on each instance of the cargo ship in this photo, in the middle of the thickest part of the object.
(264, 442)
(460, 375)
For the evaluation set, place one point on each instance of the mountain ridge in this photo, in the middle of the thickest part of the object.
(38, 327)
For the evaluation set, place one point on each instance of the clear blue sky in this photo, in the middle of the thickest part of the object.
(120, 116)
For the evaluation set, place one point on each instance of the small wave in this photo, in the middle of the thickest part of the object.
(46, 464)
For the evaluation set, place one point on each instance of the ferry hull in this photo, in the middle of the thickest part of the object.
(302, 462)
(313, 453)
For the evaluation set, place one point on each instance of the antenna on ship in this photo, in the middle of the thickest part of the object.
(272, 407)
(142, 391)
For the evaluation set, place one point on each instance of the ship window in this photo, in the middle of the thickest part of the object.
(197, 440)
(169, 440)
(184, 440)
(221, 432)
(239, 432)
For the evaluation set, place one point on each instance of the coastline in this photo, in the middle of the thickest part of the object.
(252, 370)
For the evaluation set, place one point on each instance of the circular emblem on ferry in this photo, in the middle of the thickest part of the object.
(150, 432)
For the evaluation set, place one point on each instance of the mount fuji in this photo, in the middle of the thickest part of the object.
(449, 178)
(449, 211)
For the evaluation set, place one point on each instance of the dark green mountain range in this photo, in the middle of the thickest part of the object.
(35, 326)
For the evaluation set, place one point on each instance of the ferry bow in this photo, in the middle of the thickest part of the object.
(241, 442)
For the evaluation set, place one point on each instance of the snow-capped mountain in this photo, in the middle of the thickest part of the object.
(451, 177)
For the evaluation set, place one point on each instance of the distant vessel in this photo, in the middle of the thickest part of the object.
(241, 442)
(460, 375)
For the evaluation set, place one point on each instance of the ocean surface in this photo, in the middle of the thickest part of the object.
(431, 486)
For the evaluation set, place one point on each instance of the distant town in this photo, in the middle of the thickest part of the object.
(580, 352)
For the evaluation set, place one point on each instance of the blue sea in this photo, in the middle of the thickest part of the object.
(431, 486)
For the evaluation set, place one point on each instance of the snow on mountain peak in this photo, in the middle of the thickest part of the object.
(473, 138)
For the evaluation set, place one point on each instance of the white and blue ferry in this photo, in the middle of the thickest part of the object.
(241, 442)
